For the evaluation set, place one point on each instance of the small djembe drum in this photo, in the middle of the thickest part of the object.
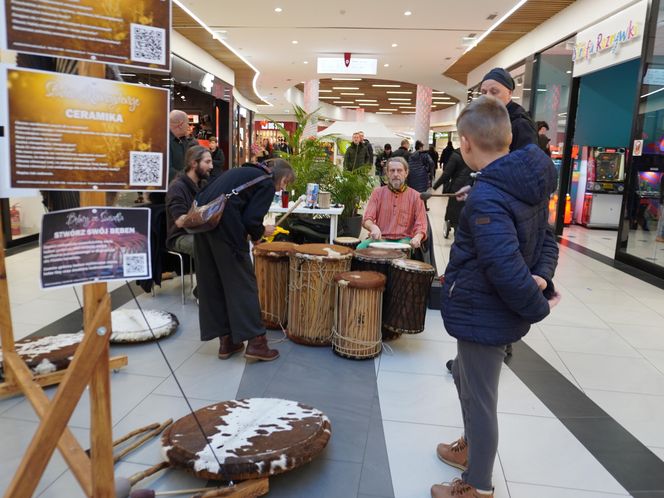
(351, 242)
(272, 267)
(135, 325)
(246, 439)
(357, 332)
(311, 295)
(406, 297)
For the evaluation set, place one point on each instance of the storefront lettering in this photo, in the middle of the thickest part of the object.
(269, 125)
(613, 41)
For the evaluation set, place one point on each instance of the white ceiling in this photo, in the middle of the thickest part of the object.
(428, 41)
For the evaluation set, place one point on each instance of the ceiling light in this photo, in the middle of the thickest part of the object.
(407, 107)
(278, 9)
(345, 88)
(408, 112)
(365, 100)
(346, 79)
(478, 39)
(363, 104)
(387, 109)
(435, 93)
(306, 62)
(294, 42)
(350, 106)
(394, 45)
(352, 93)
(399, 92)
(386, 86)
(344, 102)
(383, 112)
(408, 13)
(441, 98)
(399, 98)
(327, 98)
(568, 72)
(386, 65)
(323, 91)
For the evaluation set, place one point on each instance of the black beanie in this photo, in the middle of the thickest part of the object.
(501, 76)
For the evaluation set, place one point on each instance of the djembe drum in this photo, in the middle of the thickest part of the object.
(129, 325)
(311, 291)
(47, 354)
(251, 438)
(351, 242)
(271, 265)
(406, 297)
(357, 332)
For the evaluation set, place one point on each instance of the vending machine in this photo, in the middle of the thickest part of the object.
(604, 187)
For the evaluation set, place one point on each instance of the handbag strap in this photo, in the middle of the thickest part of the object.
(239, 189)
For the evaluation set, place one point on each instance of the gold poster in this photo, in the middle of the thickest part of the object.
(126, 32)
(77, 133)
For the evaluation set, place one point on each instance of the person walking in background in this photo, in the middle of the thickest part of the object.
(422, 169)
(497, 283)
(433, 154)
(218, 157)
(456, 175)
(381, 160)
(368, 145)
(267, 152)
(356, 154)
(543, 140)
(403, 150)
(179, 142)
(446, 154)
(498, 83)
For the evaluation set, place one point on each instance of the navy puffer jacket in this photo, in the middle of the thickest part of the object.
(503, 238)
(420, 167)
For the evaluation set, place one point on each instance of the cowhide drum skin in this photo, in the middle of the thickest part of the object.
(47, 354)
(252, 438)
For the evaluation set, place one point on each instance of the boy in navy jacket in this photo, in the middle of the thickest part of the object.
(497, 283)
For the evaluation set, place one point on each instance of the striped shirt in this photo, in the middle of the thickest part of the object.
(398, 215)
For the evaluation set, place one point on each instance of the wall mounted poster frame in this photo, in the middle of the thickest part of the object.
(123, 32)
(69, 132)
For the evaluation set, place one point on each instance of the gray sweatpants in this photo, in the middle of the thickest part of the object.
(476, 371)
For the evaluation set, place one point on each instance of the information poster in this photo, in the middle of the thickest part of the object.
(93, 245)
(68, 132)
(126, 32)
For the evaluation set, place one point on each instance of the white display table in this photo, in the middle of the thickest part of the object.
(333, 213)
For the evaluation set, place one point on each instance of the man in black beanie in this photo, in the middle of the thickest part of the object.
(498, 83)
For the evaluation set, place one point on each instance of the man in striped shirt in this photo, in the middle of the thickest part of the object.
(395, 212)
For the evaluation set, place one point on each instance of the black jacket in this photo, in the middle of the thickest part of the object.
(456, 172)
(369, 149)
(244, 213)
(420, 170)
(446, 154)
(218, 160)
(356, 156)
(180, 196)
(402, 152)
(178, 148)
(381, 160)
(523, 127)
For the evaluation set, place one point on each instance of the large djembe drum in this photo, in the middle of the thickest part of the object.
(47, 354)
(408, 286)
(251, 438)
(311, 296)
(357, 333)
(272, 267)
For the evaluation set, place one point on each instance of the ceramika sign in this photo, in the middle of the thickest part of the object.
(612, 41)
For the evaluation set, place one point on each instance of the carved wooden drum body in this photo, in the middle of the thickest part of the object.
(351, 242)
(406, 297)
(251, 438)
(271, 264)
(359, 314)
(312, 291)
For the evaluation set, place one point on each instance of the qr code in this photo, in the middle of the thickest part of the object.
(135, 264)
(145, 168)
(148, 44)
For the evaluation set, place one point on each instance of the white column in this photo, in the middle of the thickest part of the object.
(359, 114)
(311, 103)
(423, 114)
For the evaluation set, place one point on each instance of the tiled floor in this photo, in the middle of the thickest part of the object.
(605, 342)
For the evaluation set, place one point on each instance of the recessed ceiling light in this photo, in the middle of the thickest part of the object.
(394, 45)
(386, 109)
(568, 72)
(398, 98)
(399, 92)
(327, 98)
(386, 86)
(323, 91)
(278, 9)
(294, 42)
(345, 87)
(306, 62)
(407, 13)
(365, 100)
(383, 112)
(368, 104)
(441, 98)
(352, 93)
(386, 65)
(346, 79)
(434, 93)
(344, 102)
(349, 106)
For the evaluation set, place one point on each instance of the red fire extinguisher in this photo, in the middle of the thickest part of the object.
(15, 219)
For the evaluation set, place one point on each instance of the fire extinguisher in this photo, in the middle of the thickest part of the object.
(15, 219)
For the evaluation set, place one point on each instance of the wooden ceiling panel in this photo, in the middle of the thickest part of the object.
(523, 21)
(195, 33)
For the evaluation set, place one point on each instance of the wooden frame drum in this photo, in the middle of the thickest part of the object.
(357, 333)
(271, 264)
(408, 286)
(311, 296)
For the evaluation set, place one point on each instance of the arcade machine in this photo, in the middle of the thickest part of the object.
(649, 196)
(604, 186)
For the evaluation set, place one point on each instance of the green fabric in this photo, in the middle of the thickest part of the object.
(365, 243)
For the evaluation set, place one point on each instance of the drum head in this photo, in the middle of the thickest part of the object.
(274, 249)
(361, 279)
(47, 354)
(252, 438)
(347, 240)
(413, 265)
(129, 325)
(324, 251)
(379, 255)
(391, 245)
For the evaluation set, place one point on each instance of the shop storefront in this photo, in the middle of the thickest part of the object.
(243, 124)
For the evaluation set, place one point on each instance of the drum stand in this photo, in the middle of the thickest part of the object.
(90, 365)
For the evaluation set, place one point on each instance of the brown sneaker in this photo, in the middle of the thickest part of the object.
(227, 348)
(455, 454)
(257, 349)
(457, 489)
